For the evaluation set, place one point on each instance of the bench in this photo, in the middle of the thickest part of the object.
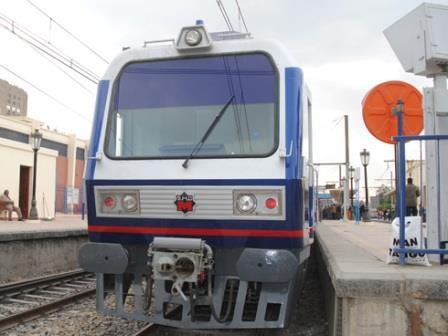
(4, 210)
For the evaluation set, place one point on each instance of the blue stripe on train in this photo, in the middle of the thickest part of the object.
(271, 243)
(293, 132)
(100, 106)
(194, 223)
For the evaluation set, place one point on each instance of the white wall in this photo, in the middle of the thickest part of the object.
(14, 154)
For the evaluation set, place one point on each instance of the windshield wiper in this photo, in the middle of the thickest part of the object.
(209, 130)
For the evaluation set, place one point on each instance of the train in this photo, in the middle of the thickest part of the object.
(199, 183)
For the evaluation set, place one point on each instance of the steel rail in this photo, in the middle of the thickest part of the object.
(152, 327)
(9, 292)
(12, 320)
(7, 289)
(146, 330)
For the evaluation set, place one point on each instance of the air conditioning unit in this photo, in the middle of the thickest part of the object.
(420, 40)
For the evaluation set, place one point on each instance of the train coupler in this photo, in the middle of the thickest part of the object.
(180, 260)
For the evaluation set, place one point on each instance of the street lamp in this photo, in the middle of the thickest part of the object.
(365, 157)
(351, 171)
(36, 139)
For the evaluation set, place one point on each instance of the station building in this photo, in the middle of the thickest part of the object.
(60, 167)
(13, 100)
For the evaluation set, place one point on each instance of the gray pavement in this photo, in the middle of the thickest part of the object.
(355, 256)
(62, 226)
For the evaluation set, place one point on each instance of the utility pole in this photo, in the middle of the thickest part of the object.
(347, 163)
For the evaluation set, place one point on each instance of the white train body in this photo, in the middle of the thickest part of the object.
(198, 187)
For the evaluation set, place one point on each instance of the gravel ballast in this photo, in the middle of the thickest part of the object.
(82, 319)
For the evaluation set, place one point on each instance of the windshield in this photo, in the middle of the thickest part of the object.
(161, 109)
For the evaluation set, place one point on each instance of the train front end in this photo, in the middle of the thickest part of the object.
(196, 184)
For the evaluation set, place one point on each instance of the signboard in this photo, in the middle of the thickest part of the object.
(377, 110)
(72, 195)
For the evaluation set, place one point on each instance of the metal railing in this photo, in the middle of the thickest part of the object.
(401, 188)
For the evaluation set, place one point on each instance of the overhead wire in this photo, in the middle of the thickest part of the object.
(337, 121)
(240, 12)
(43, 92)
(385, 171)
(236, 111)
(53, 21)
(40, 43)
(35, 42)
(243, 102)
(50, 60)
(225, 15)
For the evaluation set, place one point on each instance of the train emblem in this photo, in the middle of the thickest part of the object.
(184, 203)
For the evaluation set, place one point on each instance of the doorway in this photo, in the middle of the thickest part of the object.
(24, 190)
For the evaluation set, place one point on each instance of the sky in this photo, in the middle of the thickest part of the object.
(339, 44)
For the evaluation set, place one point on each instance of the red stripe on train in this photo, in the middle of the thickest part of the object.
(197, 231)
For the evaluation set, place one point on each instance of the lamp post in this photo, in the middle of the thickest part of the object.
(351, 171)
(365, 157)
(36, 138)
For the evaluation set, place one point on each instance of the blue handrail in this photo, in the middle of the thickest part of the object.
(419, 137)
(425, 251)
(401, 185)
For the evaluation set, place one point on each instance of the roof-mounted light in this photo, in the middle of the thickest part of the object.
(194, 37)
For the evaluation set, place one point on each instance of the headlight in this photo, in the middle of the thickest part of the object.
(193, 37)
(117, 201)
(259, 202)
(129, 203)
(246, 203)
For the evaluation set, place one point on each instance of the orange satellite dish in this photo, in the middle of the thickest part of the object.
(377, 108)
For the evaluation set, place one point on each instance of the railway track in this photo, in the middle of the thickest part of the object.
(26, 300)
(146, 330)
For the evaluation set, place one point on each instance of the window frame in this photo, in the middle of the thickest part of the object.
(238, 156)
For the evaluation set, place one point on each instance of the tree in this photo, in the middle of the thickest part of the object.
(386, 203)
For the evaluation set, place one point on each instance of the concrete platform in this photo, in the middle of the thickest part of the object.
(62, 226)
(30, 249)
(367, 297)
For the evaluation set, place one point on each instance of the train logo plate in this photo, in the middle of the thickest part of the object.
(184, 203)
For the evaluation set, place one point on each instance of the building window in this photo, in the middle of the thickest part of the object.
(61, 148)
(80, 154)
(13, 135)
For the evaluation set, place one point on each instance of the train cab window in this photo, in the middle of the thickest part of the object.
(163, 108)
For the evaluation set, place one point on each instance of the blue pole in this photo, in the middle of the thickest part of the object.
(357, 214)
(401, 183)
(83, 204)
(311, 206)
(397, 181)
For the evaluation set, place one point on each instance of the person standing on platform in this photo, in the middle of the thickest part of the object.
(412, 193)
(10, 205)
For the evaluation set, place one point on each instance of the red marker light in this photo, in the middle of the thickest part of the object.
(109, 202)
(271, 203)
